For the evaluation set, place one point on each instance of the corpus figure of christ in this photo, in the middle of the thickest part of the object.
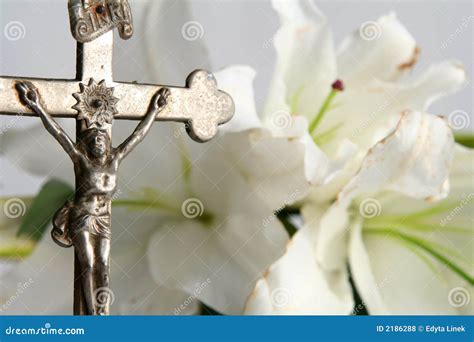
(85, 221)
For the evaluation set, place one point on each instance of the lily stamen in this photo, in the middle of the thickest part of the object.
(336, 87)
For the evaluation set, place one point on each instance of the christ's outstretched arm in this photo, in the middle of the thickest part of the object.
(30, 97)
(157, 104)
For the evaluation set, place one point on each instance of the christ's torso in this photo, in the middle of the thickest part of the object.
(95, 185)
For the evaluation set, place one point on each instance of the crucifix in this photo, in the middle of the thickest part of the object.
(95, 100)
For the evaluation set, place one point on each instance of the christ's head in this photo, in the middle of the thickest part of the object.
(97, 143)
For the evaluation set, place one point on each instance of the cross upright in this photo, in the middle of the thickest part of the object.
(94, 100)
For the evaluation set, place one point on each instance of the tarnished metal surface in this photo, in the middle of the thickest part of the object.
(94, 59)
(200, 102)
(92, 18)
(85, 221)
(96, 104)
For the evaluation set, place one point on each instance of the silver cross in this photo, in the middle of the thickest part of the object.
(199, 104)
(94, 100)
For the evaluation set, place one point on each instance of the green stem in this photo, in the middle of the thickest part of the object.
(144, 204)
(324, 108)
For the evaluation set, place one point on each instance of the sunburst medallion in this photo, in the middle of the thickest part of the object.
(95, 103)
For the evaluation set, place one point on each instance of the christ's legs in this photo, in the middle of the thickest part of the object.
(102, 276)
(85, 254)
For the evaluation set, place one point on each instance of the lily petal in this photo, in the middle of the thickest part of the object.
(265, 161)
(34, 277)
(297, 285)
(218, 265)
(174, 45)
(413, 160)
(237, 81)
(306, 64)
(331, 245)
(439, 80)
(403, 275)
(34, 150)
(155, 168)
(380, 50)
(218, 255)
(132, 232)
(401, 283)
(367, 113)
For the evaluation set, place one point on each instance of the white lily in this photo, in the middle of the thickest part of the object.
(345, 125)
(214, 254)
(407, 252)
(415, 257)
(370, 69)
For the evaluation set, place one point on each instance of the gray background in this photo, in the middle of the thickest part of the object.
(237, 32)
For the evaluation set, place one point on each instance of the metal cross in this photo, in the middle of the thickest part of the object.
(94, 99)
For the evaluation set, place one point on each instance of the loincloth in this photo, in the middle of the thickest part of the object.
(68, 221)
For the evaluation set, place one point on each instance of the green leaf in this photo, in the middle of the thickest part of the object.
(50, 198)
(465, 139)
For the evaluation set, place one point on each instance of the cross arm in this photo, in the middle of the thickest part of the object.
(30, 97)
(200, 104)
(56, 96)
